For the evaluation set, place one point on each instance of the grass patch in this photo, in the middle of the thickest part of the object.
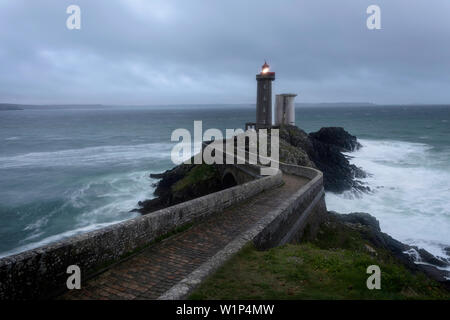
(333, 266)
(199, 173)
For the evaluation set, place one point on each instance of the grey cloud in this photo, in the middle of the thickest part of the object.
(208, 51)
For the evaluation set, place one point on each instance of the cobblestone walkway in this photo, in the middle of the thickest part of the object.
(153, 271)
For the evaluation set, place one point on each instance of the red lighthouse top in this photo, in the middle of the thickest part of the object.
(266, 69)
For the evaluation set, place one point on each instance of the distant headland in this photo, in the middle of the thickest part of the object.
(8, 107)
(12, 106)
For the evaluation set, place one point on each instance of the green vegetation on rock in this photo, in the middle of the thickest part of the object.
(331, 266)
(198, 174)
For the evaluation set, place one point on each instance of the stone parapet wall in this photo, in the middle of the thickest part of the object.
(303, 210)
(298, 218)
(41, 272)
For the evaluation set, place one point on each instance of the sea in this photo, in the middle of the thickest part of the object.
(65, 170)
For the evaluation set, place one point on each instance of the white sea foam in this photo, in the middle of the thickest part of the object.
(120, 194)
(102, 202)
(92, 156)
(411, 187)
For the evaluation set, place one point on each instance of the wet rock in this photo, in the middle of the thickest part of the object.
(361, 218)
(412, 257)
(338, 137)
(447, 251)
(293, 155)
(324, 149)
(182, 183)
(431, 259)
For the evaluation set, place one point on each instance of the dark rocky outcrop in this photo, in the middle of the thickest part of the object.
(447, 251)
(324, 148)
(412, 257)
(182, 183)
(338, 137)
(294, 155)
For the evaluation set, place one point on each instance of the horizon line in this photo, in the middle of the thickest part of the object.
(216, 104)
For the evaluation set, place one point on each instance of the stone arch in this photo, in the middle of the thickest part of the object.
(229, 180)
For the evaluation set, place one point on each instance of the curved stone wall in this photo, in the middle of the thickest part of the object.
(304, 210)
(299, 217)
(41, 272)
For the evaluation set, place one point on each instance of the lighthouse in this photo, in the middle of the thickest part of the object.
(264, 97)
(285, 109)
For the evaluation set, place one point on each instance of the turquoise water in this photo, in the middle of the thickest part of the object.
(70, 170)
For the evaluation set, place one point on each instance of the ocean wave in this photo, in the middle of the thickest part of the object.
(91, 156)
(12, 138)
(410, 186)
(119, 194)
(97, 203)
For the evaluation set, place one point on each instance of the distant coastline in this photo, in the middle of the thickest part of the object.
(13, 106)
(9, 107)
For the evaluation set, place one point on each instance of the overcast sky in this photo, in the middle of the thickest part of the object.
(208, 51)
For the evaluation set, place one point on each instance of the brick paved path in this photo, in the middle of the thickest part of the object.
(153, 271)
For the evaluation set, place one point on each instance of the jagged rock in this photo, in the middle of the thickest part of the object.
(293, 155)
(324, 149)
(182, 183)
(361, 218)
(371, 250)
(169, 178)
(369, 228)
(320, 150)
(447, 251)
(431, 259)
(338, 137)
(296, 137)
